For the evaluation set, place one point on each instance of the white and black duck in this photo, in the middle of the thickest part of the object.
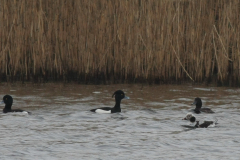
(190, 117)
(119, 95)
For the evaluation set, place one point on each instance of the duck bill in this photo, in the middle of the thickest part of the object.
(184, 118)
(2, 102)
(126, 97)
(194, 103)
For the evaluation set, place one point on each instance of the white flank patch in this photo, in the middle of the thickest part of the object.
(96, 92)
(212, 125)
(102, 111)
(25, 112)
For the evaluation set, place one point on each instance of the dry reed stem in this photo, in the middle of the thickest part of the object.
(181, 64)
(215, 52)
(120, 40)
(222, 44)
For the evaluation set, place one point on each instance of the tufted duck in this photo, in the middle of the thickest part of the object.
(199, 109)
(119, 95)
(8, 100)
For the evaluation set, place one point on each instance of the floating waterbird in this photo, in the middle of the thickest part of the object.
(199, 109)
(205, 124)
(8, 100)
(119, 95)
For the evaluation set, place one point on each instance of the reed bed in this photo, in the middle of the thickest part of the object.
(120, 41)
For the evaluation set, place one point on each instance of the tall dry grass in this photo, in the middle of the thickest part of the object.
(120, 41)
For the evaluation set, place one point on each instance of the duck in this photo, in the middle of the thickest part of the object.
(205, 124)
(119, 95)
(199, 109)
(8, 101)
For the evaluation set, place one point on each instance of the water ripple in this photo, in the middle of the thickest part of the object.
(150, 125)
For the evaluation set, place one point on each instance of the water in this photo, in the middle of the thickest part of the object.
(149, 126)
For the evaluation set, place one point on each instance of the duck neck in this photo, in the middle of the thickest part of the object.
(117, 105)
(198, 106)
(8, 107)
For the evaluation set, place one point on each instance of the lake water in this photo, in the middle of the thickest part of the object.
(149, 126)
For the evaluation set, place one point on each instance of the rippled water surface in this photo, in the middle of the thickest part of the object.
(149, 126)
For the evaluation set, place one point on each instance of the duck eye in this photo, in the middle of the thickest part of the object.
(6, 98)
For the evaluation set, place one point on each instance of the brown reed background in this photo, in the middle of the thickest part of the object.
(120, 41)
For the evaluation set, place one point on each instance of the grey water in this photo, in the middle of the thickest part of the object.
(149, 126)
